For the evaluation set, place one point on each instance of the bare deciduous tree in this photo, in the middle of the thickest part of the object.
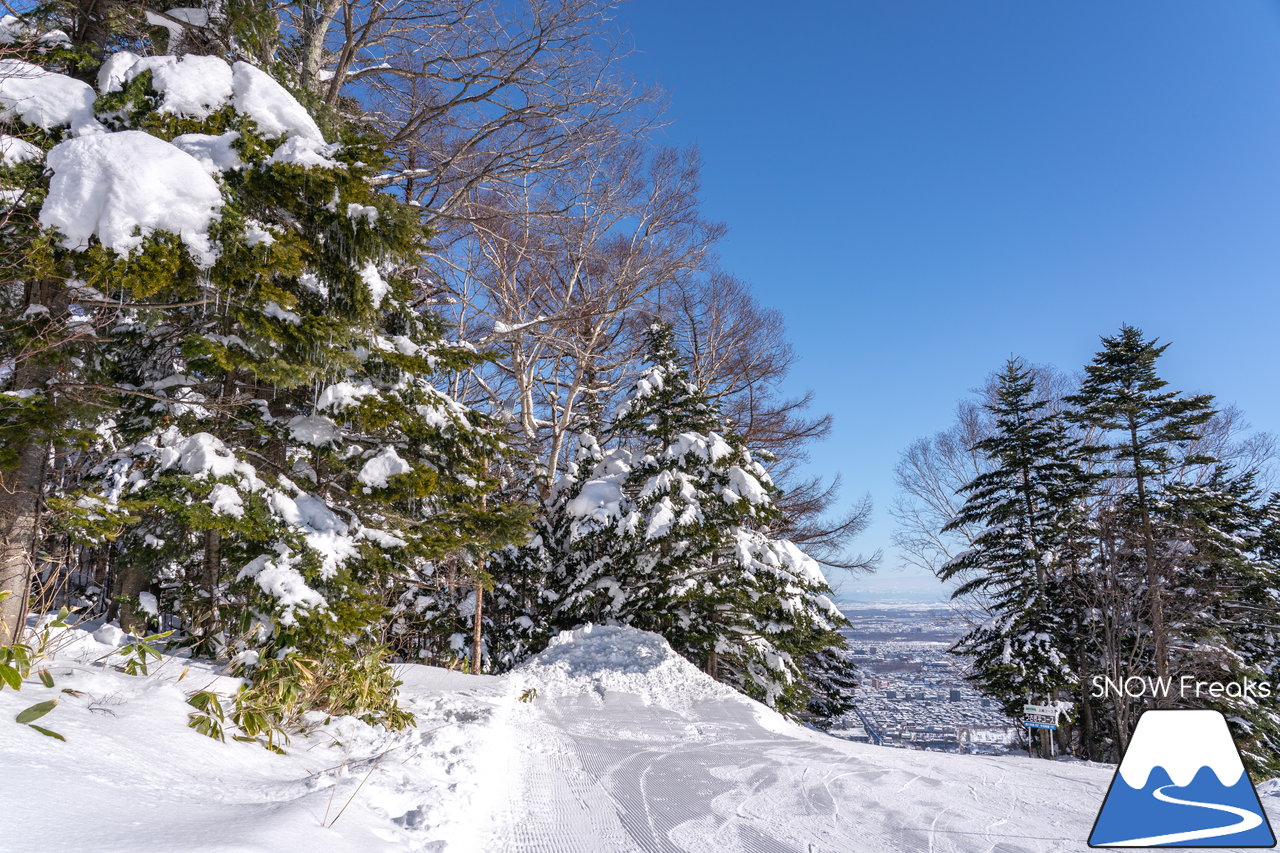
(740, 354)
(474, 95)
(559, 295)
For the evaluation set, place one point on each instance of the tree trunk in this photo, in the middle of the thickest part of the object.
(19, 522)
(1063, 739)
(21, 485)
(1086, 709)
(93, 23)
(132, 582)
(1155, 581)
(1122, 727)
(477, 640)
(212, 573)
(316, 22)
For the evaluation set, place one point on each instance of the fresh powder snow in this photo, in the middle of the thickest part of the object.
(620, 746)
(376, 472)
(215, 153)
(46, 99)
(278, 113)
(14, 150)
(190, 86)
(378, 287)
(123, 187)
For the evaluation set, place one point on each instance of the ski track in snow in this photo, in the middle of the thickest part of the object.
(615, 775)
(625, 749)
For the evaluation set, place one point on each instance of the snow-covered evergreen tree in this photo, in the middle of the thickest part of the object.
(48, 319)
(1145, 436)
(278, 460)
(670, 532)
(1225, 589)
(538, 585)
(1027, 507)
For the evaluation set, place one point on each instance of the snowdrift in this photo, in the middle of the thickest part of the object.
(132, 776)
(605, 660)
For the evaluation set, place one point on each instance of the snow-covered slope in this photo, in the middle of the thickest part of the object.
(132, 777)
(622, 746)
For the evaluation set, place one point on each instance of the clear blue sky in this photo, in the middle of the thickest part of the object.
(925, 187)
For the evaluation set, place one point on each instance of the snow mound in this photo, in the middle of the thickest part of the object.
(599, 501)
(304, 152)
(216, 153)
(378, 471)
(45, 99)
(196, 86)
(122, 187)
(189, 86)
(277, 113)
(604, 659)
(14, 150)
(315, 430)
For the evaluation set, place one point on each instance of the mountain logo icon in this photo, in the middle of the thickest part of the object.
(1181, 783)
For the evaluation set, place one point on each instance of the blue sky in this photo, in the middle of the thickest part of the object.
(926, 187)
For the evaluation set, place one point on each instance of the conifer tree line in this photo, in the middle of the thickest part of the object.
(1106, 526)
(395, 337)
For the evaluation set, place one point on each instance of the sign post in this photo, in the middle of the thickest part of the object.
(1042, 717)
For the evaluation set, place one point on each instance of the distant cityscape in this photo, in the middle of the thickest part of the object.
(912, 692)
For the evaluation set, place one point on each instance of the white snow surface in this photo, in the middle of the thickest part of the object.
(378, 287)
(622, 747)
(379, 469)
(225, 500)
(173, 20)
(203, 455)
(14, 150)
(305, 152)
(599, 500)
(46, 99)
(280, 580)
(132, 777)
(340, 395)
(196, 86)
(315, 430)
(214, 153)
(189, 86)
(259, 96)
(122, 187)
(604, 660)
